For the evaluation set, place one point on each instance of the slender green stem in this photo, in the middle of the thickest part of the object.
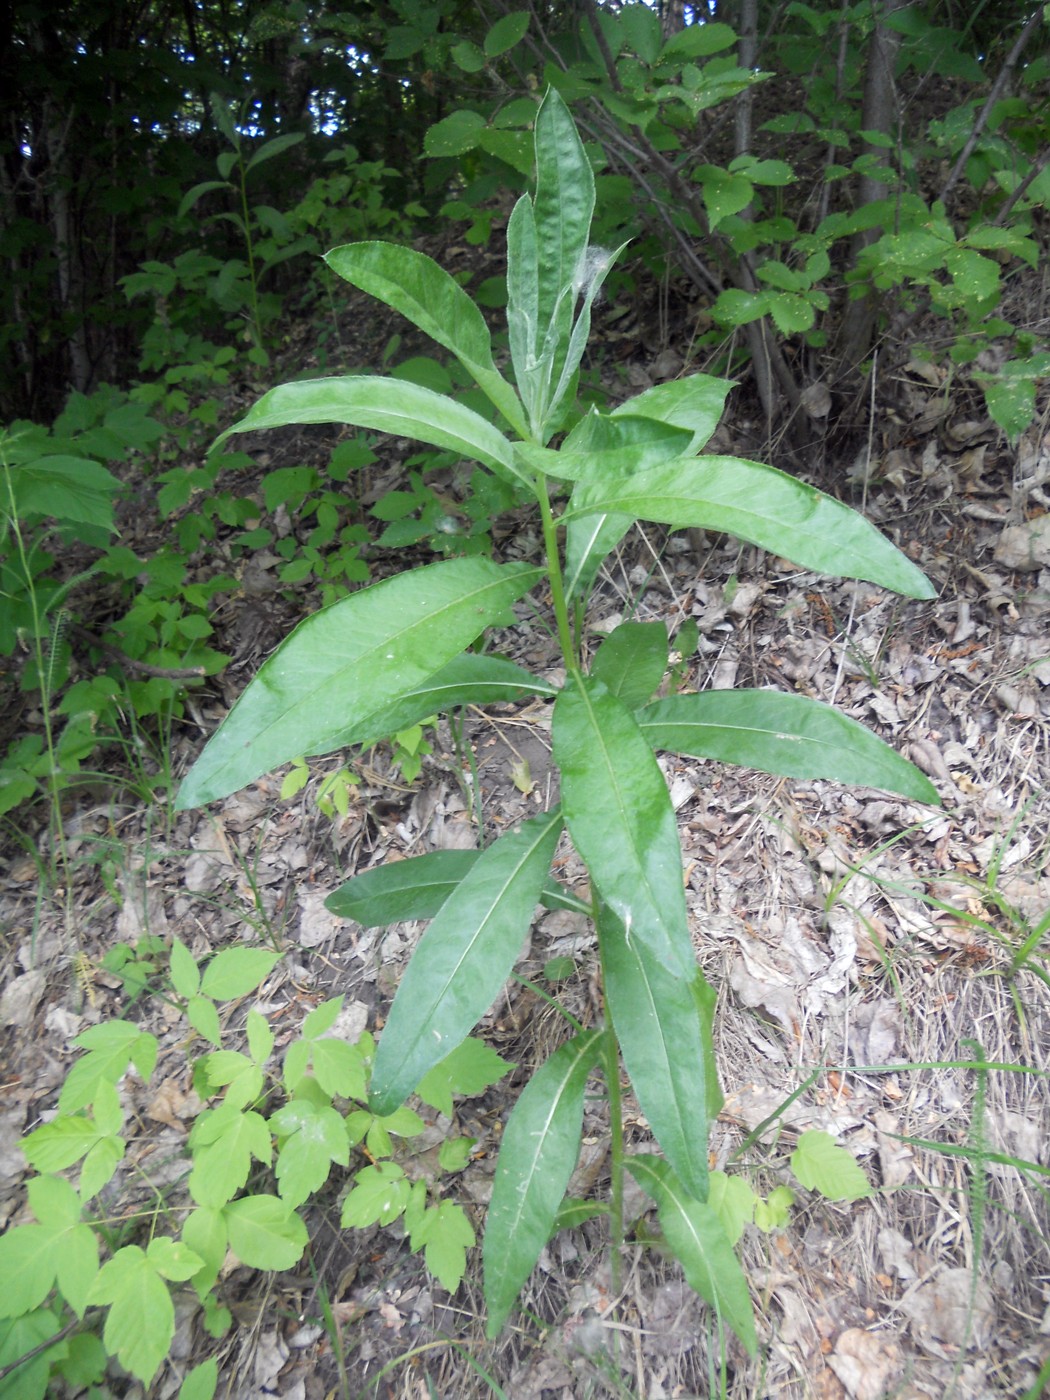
(611, 1058)
(561, 611)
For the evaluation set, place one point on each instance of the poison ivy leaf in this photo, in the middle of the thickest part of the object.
(204, 1018)
(537, 1155)
(761, 505)
(346, 663)
(463, 960)
(260, 1037)
(657, 1023)
(431, 299)
(700, 1244)
(789, 735)
(204, 1231)
(454, 1153)
(265, 1232)
(820, 1164)
(242, 1077)
(469, 1070)
(235, 972)
(775, 1211)
(619, 815)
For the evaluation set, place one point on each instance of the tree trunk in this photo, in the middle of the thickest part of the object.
(880, 113)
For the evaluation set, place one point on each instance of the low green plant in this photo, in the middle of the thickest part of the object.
(266, 1143)
(397, 651)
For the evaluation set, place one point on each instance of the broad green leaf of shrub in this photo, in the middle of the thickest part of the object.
(470, 679)
(789, 735)
(431, 299)
(540, 1145)
(417, 888)
(695, 403)
(265, 1233)
(73, 489)
(820, 1164)
(724, 194)
(347, 662)
(454, 135)
(632, 660)
(392, 406)
(508, 30)
(620, 817)
(695, 1235)
(657, 1023)
(469, 1070)
(763, 506)
(463, 959)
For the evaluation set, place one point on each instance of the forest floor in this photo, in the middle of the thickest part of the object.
(865, 950)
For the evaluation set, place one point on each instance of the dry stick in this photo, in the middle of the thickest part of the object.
(1033, 174)
(993, 97)
(143, 668)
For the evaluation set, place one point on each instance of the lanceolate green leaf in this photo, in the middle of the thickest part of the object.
(386, 405)
(346, 663)
(632, 660)
(468, 680)
(563, 206)
(537, 1155)
(658, 1025)
(523, 304)
(463, 960)
(700, 1244)
(761, 505)
(601, 447)
(789, 735)
(416, 286)
(619, 815)
(417, 888)
(695, 403)
(589, 540)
